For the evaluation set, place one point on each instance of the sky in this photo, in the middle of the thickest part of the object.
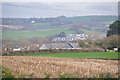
(59, 0)
(54, 9)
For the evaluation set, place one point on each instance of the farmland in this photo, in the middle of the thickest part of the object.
(47, 25)
(15, 35)
(50, 26)
(88, 31)
(110, 55)
(38, 33)
(49, 67)
(59, 40)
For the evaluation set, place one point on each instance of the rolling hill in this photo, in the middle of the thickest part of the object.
(43, 27)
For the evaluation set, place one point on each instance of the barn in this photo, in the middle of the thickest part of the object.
(60, 45)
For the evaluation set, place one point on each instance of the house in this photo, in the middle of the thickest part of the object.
(18, 49)
(70, 37)
(73, 37)
(60, 45)
(116, 49)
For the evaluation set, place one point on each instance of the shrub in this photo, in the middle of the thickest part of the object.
(31, 75)
(111, 51)
(108, 75)
(47, 75)
(64, 76)
(6, 73)
(21, 76)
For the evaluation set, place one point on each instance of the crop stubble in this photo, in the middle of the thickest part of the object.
(81, 68)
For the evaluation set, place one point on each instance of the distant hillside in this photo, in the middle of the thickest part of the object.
(77, 24)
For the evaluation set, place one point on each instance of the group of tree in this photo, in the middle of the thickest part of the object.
(105, 43)
(114, 29)
(31, 43)
(109, 42)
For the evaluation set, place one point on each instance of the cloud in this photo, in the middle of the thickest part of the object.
(52, 9)
(60, 0)
(106, 7)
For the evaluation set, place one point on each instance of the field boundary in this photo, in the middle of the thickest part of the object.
(48, 51)
(102, 58)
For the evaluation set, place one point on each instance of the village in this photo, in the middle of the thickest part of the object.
(61, 41)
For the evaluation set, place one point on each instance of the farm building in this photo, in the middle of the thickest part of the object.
(60, 45)
(70, 37)
(73, 37)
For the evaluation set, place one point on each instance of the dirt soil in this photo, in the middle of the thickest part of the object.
(41, 67)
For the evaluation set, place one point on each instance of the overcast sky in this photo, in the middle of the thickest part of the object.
(53, 9)
(59, 0)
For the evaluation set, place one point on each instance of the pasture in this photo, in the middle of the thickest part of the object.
(88, 31)
(42, 25)
(108, 55)
(15, 35)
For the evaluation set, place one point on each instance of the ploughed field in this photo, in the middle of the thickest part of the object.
(42, 67)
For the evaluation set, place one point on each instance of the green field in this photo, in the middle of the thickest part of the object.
(108, 22)
(112, 55)
(42, 25)
(15, 35)
(88, 31)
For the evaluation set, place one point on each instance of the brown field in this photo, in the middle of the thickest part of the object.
(12, 26)
(41, 67)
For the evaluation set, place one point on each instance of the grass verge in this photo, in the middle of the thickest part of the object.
(109, 55)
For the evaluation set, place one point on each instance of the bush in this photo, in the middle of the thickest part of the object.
(47, 75)
(64, 76)
(6, 73)
(111, 51)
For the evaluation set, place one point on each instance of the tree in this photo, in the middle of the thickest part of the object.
(114, 29)
(51, 37)
(8, 44)
(62, 34)
(38, 40)
(88, 43)
(110, 42)
(23, 42)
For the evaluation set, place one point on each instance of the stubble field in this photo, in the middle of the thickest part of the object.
(42, 67)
